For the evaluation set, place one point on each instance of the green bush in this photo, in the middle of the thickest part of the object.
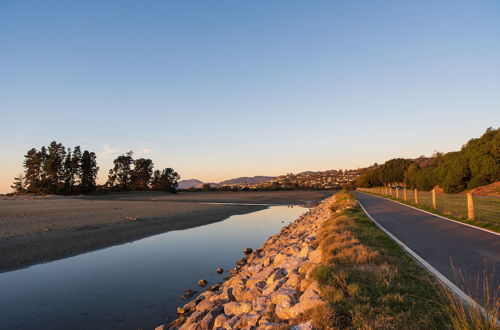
(476, 164)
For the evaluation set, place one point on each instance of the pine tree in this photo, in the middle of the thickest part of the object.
(33, 170)
(54, 170)
(54, 167)
(141, 174)
(155, 182)
(169, 180)
(76, 169)
(18, 184)
(43, 159)
(120, 175)
(88, 172)
(68, 173)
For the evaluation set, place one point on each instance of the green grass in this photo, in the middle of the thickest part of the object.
(368, 280)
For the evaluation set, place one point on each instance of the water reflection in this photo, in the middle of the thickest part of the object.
(134, 285)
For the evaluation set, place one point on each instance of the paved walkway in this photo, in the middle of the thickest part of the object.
(438, 241)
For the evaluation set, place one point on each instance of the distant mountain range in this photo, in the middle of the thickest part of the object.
(191, 183)
(246, 179)
(194, 183)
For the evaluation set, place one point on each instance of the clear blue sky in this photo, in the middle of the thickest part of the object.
(219, 89)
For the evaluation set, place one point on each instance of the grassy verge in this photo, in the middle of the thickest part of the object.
(368, 281)
(482, 224)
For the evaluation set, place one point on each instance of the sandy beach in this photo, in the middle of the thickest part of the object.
(41, 229)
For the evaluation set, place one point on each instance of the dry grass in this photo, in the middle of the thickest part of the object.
(466, 314)
(367, 279)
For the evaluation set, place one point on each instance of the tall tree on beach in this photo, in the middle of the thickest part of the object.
(169, 180)
(57, 170)
(155, 181)
(68, 173)
(33, 170)
(142, 173)
(54, 167)
(18, 184)
(53, 170)
(88, 172)
(119, 177)
(76, 168)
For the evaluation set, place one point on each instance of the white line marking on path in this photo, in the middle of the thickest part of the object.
(436, 215)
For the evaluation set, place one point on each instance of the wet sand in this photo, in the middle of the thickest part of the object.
(41, 229)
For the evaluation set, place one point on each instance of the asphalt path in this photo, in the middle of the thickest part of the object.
(450, 247)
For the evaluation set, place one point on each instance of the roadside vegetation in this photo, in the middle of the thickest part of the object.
(476, 164)
(369, 282)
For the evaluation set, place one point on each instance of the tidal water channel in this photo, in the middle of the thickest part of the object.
(133, 285)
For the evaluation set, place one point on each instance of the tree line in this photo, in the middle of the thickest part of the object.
(138, 174)
(57, 170)
(476, 164)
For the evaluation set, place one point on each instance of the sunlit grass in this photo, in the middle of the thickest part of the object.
(466, 314)
(368, 281)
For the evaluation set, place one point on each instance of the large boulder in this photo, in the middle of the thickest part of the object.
(219, 321)
(291, 264)
(284, 298)
(247, 320)
(258, 277)
(277, 274)
(261, 303)
(315, 256)
(235, 307)
(309, 299)
(207, 304)
(208, 320)
(304, 252)
(231, 322)
(192, 320)
(273, 287)
(293, 279)
(271, 326)
(250, 294)
(279, 259)
(303, 326)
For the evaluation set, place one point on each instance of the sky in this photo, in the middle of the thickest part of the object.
(221, 89)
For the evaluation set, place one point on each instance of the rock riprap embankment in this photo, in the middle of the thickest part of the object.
(269, 288)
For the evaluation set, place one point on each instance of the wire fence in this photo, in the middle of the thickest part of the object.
(481, 210)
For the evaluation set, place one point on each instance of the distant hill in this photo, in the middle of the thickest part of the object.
(191, 183)
(246, 179)
(194, 183)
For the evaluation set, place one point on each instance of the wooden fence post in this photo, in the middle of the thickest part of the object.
(397, 192)
(434, 199)
(470, 207)
(416, 196)
(404, 193)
